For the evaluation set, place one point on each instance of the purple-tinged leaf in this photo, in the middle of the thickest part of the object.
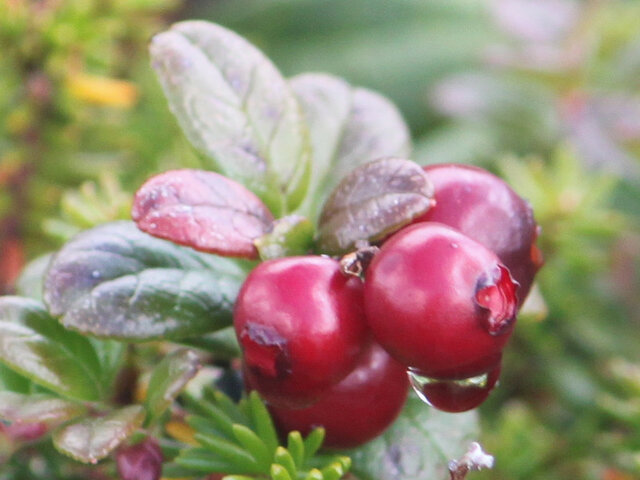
(30, 408)
(203, 210)
(89, 440)
(373, 201)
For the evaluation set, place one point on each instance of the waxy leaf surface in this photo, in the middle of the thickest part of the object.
(203, 210)
(236, 108)
(168, 379)
(92, 439)
(29, 408)
(349, 126)
(419, 445)
(116, 281)
(373, 201)
(35, 345)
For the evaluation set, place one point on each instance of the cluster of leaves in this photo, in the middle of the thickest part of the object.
(545, 93)
(289, 141)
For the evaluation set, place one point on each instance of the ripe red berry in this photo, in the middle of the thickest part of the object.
(484, 208)
(142, 461)
(300, 323)
(440, 302)
(456, 396)
(357, 409)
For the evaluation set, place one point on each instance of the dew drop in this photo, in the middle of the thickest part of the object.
(95, 274)
(454, 395)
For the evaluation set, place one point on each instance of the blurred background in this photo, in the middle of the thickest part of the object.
(546, 93)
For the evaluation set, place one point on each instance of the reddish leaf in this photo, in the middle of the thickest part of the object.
(203, 210)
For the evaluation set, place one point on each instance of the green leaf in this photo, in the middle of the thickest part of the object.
(168, 379)
(230, 452)
(284, 458)
(221, 344)
(278, 472)
(313, 442)
(116, 281)
(35, 345)
(253, 444)
(372, 202)
(418, 445)
(262, 421)
(291, 235)
(202, 210)
(349, 126)
(295, 445)
(236, 108)
(31, 280)
(91, 439)
(15, 407)
(202, 460)
(13, 381)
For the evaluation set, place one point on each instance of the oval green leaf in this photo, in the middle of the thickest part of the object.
(419, 445)
(118, 282)
(236, 108)
(35, 345)
(91, 439)
(372, 202)
(202, 210)
(29, 408)
(349, 126)
(168, 379)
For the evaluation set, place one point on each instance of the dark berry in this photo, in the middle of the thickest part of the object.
(300, 323)
(455, 395)
(142, 461)
(484, 208)
(357, 409)
(440, 302)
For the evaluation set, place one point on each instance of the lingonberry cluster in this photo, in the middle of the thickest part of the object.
(438, 300)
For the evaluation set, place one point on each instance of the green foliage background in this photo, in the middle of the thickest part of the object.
(549, 99)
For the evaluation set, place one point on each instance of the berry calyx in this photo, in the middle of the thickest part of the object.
(142, 461)
(440, 302)
(485, 208)
(300, 323)
(357, 409)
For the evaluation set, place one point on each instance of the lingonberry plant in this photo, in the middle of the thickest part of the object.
(312, 257)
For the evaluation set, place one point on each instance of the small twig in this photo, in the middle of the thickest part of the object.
(474, 459)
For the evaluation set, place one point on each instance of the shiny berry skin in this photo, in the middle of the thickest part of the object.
(357, 409)
(440, 302)
(300, 323)
(455, 396)
(486, 209)
(142, 461)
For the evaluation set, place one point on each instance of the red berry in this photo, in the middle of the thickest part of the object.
(440, 302)
(300, 323)
(142, 461)
(357, 409)
(455, 395)
(484, 208)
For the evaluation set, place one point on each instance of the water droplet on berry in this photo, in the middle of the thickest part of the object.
(454, 395)
(496, 292)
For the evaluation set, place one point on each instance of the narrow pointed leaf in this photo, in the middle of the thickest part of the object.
(284, 458)
(295, 445)
(203, 210)
(228, 451)
(314, 474)
(349, 126)
(313, 442)
(278, 472)
(207, 426)
(373, 201)
(92, 439)
(15, 407)
(236, 108)
(262, 421)
(168, 379)
(418, 445)
(253, 444)
(203, 461)
(116, 281)
(36, 346)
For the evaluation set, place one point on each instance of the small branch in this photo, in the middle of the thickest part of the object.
(474, 459)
